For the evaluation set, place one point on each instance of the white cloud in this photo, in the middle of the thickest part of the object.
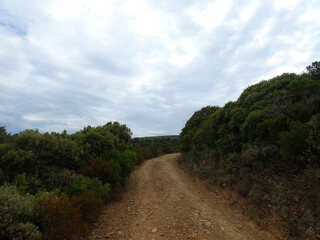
(247, 12)
(150, 64)
(262, 35)
(276, 59)
(186, 55)
(34, 118)
(210, 15)
(285, 4)
(311, 15)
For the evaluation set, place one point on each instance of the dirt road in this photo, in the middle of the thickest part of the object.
(164, 202)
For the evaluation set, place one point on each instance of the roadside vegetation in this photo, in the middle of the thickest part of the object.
(147, 148)
(266, 147)
(53, 185)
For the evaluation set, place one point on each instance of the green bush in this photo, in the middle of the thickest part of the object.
(127, 161)
(14, 161)
(117, 180)
(293, 142)
(81, 185)
(3, 133)
(17, 212)
(28, 184)
(104, 192)
(62, 178)
(24, 231)
(277, 125)
(313, 140)
(122, 164)
(38, 163)
(146, 148)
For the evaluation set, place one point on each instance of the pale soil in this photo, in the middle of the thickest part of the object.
(164, 202)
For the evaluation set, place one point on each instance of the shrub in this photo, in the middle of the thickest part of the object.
(24, 231)
(293, 142)
(28, 184)
(258, 192)
(122, 164)
(3, 133)
(140, 158)
(104, 192)
(252, 158)
(62, 220)
(227, 172)
(277, 125)
(270, 153)
(89, 203)
(16, 210)
(14, 162)
(81, 185)
(63, 178)
(127, 161)
(117, 180)
(314, 139)
(99, 168)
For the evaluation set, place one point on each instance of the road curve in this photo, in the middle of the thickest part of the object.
(164, 202)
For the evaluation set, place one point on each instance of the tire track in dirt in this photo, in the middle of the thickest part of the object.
(164, 202)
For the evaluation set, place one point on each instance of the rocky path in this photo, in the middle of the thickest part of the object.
(164, 202)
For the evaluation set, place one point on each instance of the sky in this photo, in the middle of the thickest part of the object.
(148, 64)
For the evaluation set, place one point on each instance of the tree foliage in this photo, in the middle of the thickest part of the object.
(268, 138)
(314, 70)
(54, 184)
(147, 148)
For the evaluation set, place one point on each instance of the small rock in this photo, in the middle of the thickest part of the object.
(208, 224)
(154, 230)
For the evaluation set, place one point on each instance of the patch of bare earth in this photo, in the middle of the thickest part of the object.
(164, 202)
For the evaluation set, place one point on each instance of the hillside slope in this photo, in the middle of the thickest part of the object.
(266, 147)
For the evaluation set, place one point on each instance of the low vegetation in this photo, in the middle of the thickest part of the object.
(266, 147)
(53, 185)
(152, 147)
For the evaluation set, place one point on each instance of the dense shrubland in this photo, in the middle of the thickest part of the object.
(266, 147)
(53, 185)
(147, 148)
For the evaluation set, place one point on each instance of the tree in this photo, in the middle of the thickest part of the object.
(293, 142)
(3, 133)
(314, 70)
(197, 118)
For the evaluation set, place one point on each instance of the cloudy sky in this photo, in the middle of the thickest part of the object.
(146, 63)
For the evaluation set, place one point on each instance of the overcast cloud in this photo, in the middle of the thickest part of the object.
(149, 64)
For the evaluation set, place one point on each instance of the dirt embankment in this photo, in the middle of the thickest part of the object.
(164, 202)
